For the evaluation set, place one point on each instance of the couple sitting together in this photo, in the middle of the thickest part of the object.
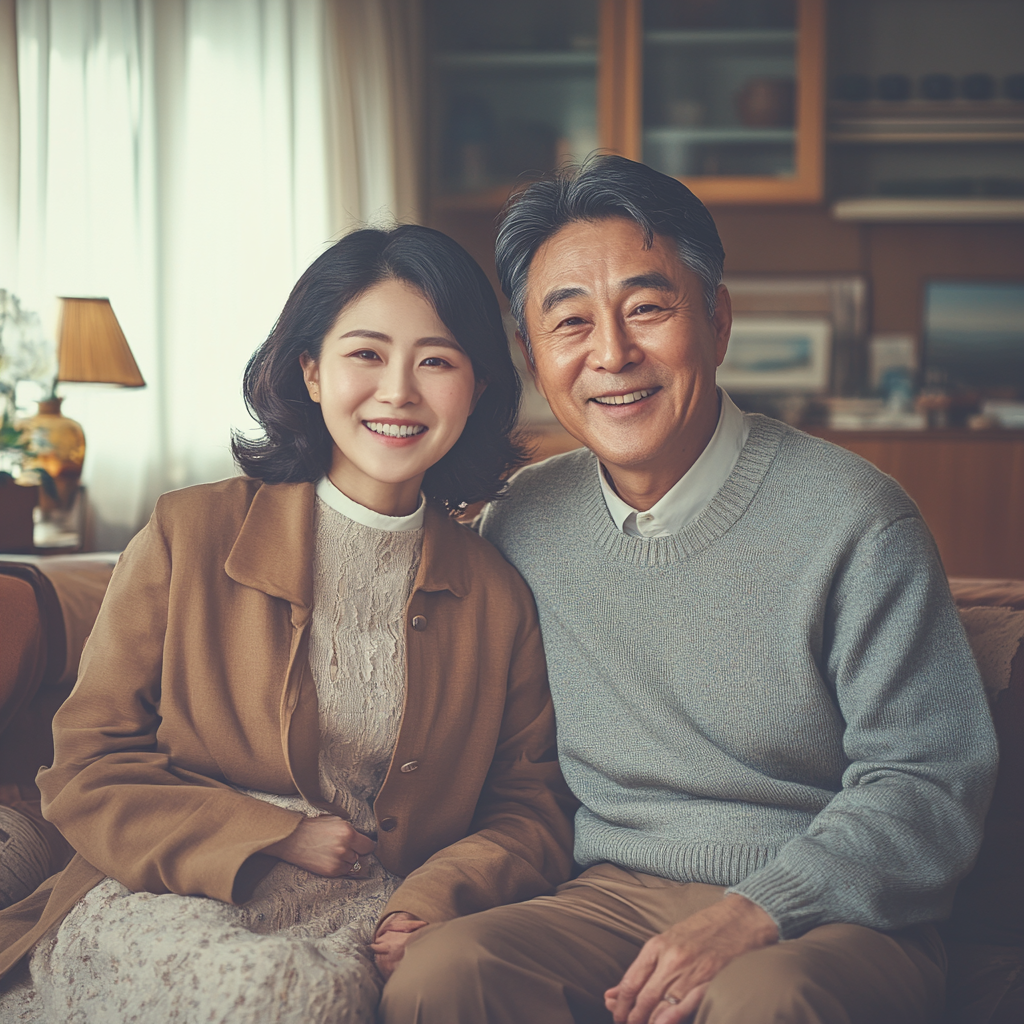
(310, 767)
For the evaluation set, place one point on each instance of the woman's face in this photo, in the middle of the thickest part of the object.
(395, 389)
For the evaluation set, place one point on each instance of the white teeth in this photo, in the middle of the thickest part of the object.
(623, 399)
(394, 429)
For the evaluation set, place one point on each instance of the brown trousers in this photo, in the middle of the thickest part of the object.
(550, 960)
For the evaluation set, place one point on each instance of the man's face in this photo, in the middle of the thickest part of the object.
(623, 348)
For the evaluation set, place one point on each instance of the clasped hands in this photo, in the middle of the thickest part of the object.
(667, 981)
(330, 846)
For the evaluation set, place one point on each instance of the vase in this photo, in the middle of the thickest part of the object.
(56, 446)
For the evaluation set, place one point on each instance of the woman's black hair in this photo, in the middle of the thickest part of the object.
(296, 446)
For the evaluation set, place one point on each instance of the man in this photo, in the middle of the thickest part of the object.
(765, 701)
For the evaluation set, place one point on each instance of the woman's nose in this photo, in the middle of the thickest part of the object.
(397, 386)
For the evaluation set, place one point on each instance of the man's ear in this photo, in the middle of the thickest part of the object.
(528, 359)
(721, 323)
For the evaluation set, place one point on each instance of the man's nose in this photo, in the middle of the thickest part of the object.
(397, 386)
(613, 347)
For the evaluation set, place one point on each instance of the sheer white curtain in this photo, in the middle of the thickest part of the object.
(188, 159)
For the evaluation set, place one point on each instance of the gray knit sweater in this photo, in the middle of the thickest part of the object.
(780, 698)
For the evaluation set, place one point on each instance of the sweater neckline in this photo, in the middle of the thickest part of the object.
(725, 508)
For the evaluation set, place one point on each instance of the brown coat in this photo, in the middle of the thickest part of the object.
(196, 677)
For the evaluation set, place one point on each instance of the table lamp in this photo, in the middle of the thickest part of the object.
(91, 348)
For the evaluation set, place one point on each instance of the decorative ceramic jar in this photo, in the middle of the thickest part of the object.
(55, 445)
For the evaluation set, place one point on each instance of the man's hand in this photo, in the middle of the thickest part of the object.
(666, 982)
(326, 845)
(389, 943)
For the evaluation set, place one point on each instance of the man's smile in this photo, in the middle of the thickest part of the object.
(628, 398)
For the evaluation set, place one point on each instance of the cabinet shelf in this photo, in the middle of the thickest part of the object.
(513, 60)
(899, 209)
(900, 130)
(724, 134)
(721, 37)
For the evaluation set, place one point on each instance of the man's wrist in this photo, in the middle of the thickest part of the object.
(754, 917)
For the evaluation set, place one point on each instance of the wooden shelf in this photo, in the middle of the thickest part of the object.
(728, 134)
(897, 209)
(556, 60)
(880, 131)
(721, 37)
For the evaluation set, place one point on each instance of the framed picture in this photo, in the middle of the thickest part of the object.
(842, 301)
(778, 354)
(974, 334)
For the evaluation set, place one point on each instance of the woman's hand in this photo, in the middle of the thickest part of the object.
(327, 845)
(389, 943)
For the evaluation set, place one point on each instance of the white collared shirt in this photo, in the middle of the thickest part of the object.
(342, 503)
(692, 493)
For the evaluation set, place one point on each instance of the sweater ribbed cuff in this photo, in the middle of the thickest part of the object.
(792, 901)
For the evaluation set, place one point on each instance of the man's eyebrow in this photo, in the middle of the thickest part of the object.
(432, 340)
(553, 298)
(651, 280)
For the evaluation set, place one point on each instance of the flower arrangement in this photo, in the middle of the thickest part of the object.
(26, 354)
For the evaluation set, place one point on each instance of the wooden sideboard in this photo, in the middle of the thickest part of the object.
(968, 484)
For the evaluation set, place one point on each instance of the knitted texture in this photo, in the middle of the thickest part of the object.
(779, 698)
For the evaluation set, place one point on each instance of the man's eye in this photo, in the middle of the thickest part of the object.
(647, 307)
(571, 321)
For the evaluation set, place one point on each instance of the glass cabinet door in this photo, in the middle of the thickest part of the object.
(730, 97)
(514, 93)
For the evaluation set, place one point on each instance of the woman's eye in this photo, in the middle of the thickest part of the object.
(435, 361)
(366, 353)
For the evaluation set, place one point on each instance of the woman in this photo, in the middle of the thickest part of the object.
(311, 699)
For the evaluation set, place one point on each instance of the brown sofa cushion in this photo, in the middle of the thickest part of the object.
(989, 905)
(985, 934)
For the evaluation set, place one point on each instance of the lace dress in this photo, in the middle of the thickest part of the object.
(296, 953)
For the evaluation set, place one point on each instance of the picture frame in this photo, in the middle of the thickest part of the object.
(778, 354)
(842, 300)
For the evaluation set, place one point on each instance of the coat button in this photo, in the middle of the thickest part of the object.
(388, 824)
(419, 623)
(410, 766)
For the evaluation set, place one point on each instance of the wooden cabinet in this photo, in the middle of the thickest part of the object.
(969, 486)
(726, 95)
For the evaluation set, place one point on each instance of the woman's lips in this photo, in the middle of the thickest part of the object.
(395, 435)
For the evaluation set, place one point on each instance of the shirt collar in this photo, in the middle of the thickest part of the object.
(342, 503)
(692, 493)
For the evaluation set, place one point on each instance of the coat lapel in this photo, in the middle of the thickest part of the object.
(273, 551)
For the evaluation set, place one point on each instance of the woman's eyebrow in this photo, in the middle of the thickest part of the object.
(431, 340)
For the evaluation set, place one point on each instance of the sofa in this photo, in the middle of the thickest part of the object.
(47, 607)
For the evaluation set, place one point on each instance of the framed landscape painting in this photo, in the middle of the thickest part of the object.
(791, 354)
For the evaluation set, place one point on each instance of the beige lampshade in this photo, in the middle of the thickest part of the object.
(92, 347)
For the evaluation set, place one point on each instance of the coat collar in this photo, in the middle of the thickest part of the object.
(273, 551)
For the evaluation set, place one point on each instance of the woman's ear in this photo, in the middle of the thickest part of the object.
(311, 375)
(481, 387)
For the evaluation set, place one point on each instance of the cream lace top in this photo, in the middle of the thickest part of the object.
(364, 568)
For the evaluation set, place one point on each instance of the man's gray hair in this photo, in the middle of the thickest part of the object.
(601, 187)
